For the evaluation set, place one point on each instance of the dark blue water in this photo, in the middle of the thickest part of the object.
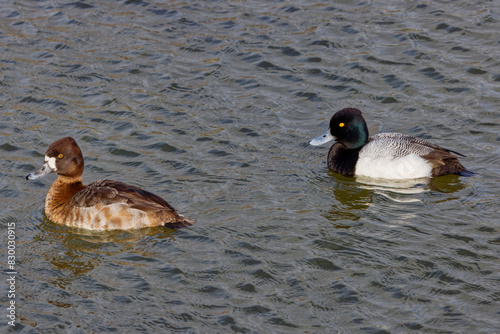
(211, 105)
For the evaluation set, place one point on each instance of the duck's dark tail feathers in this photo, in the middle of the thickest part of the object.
(455, 152)
(183, 222)
(466, 173)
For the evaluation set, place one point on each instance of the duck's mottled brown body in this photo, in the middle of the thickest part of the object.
(101, 205)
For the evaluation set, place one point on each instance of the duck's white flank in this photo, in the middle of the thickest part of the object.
(394, 156)
(409, 167)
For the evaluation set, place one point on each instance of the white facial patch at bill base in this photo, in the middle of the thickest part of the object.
(51, 162)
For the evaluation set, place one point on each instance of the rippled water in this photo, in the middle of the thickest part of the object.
(211, 106)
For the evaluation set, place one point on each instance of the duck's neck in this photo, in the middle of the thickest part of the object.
(343, 160)
(61, 193)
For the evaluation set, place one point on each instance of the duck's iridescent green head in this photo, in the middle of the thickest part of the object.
(347, 127)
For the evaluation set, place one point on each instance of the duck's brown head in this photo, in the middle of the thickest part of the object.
(63, 157)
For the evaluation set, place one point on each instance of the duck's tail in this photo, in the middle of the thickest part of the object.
(182, 222)
(467, 173)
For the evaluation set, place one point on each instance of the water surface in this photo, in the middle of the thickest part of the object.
(211, 106)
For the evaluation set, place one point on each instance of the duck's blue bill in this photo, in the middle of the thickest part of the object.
(324, 138)
(40, 172)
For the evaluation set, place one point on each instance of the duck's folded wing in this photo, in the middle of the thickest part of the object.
(402, 145)
(424, 142)
(107, 192)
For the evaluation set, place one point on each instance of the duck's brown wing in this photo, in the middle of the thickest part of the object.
(110, 191)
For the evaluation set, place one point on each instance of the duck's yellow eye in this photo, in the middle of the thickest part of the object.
(60, 156)
(341, 125)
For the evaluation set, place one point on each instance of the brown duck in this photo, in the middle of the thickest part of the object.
(101, 205)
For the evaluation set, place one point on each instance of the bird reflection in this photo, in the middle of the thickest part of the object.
(356, 194)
